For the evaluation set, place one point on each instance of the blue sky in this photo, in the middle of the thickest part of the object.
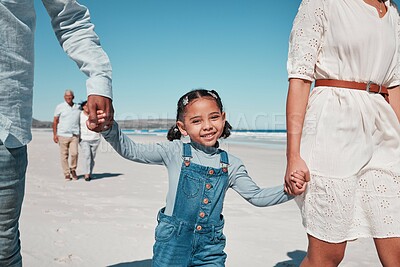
(160, 49)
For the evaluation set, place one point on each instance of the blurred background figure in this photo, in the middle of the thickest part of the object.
(66, 134)
(89, 143)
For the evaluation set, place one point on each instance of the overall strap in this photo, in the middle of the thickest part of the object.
(224, 160)
(224, 157)
(187, 153)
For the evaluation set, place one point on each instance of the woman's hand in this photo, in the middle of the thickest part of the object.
(296, 177)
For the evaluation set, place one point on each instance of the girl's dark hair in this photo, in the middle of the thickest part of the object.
(82, 104)
(174, 132)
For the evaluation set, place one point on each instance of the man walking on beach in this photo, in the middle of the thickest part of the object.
(66, 133)
(72, 26)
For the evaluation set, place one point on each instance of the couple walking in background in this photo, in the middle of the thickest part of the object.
(345, 134)
(69, 129)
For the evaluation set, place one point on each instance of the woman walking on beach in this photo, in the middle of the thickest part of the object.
(190, 226)
(89, 142)
(346, 133)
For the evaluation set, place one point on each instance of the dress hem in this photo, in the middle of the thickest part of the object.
(348, 239)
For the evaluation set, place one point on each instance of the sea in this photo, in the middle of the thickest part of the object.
(271, 139)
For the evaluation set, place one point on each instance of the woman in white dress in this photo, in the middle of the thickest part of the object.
(345, 135)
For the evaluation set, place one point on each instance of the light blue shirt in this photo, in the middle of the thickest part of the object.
(74, 31)
(68, 119)
(170, 154)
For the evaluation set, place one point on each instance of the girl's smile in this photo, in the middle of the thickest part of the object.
(203, 121)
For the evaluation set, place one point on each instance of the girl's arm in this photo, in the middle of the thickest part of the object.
(394, 99)
(152, 153)
(295, 112)
(260, 197)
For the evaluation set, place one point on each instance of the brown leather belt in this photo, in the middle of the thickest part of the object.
(369, 87)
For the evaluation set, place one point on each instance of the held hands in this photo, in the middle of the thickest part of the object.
(101, 118)
(297, 176)
(95, 104)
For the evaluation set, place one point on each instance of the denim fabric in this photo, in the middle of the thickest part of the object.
(75, 33)
(88, 153)
(193, 235)
(179, 244)
(13, 163)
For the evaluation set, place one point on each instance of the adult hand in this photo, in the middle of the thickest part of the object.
(95, 103)
(55, 138)
(296, 165)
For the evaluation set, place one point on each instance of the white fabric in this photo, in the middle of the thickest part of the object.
(86, 134)
(344, 40)
(351, 139)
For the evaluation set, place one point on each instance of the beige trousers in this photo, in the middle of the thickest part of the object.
(68, 148)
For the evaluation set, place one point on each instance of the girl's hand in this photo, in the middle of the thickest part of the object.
(298, 179)
(297, 174)
(101, 115)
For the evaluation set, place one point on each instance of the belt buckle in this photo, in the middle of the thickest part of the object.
(368, 86)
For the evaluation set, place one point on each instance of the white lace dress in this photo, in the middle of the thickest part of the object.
(351, 138)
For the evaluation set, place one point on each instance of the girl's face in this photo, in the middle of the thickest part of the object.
(202, 121)
(86, 109)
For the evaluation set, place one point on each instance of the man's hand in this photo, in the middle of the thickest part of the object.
(95, 103)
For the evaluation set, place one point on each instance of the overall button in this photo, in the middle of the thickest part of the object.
(208, 186)
(202, 214)
(198, 227)
(205, 201)
(211, 172)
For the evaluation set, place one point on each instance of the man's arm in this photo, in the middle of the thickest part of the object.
(55, 124)
(75, 33)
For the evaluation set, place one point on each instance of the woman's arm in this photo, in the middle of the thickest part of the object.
(394, 99)
(296, 105)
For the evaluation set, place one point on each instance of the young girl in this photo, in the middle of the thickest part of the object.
(189, 231)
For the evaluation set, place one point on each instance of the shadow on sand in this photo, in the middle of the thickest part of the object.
(143, 263)
(98, 176)
(296, 258)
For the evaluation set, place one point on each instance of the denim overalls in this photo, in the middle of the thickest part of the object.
(193, 235)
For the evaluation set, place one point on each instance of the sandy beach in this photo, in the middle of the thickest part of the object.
(110, 220)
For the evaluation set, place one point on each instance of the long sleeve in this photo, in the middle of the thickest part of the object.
(152, 153)
(249, 190)
(72, 26)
